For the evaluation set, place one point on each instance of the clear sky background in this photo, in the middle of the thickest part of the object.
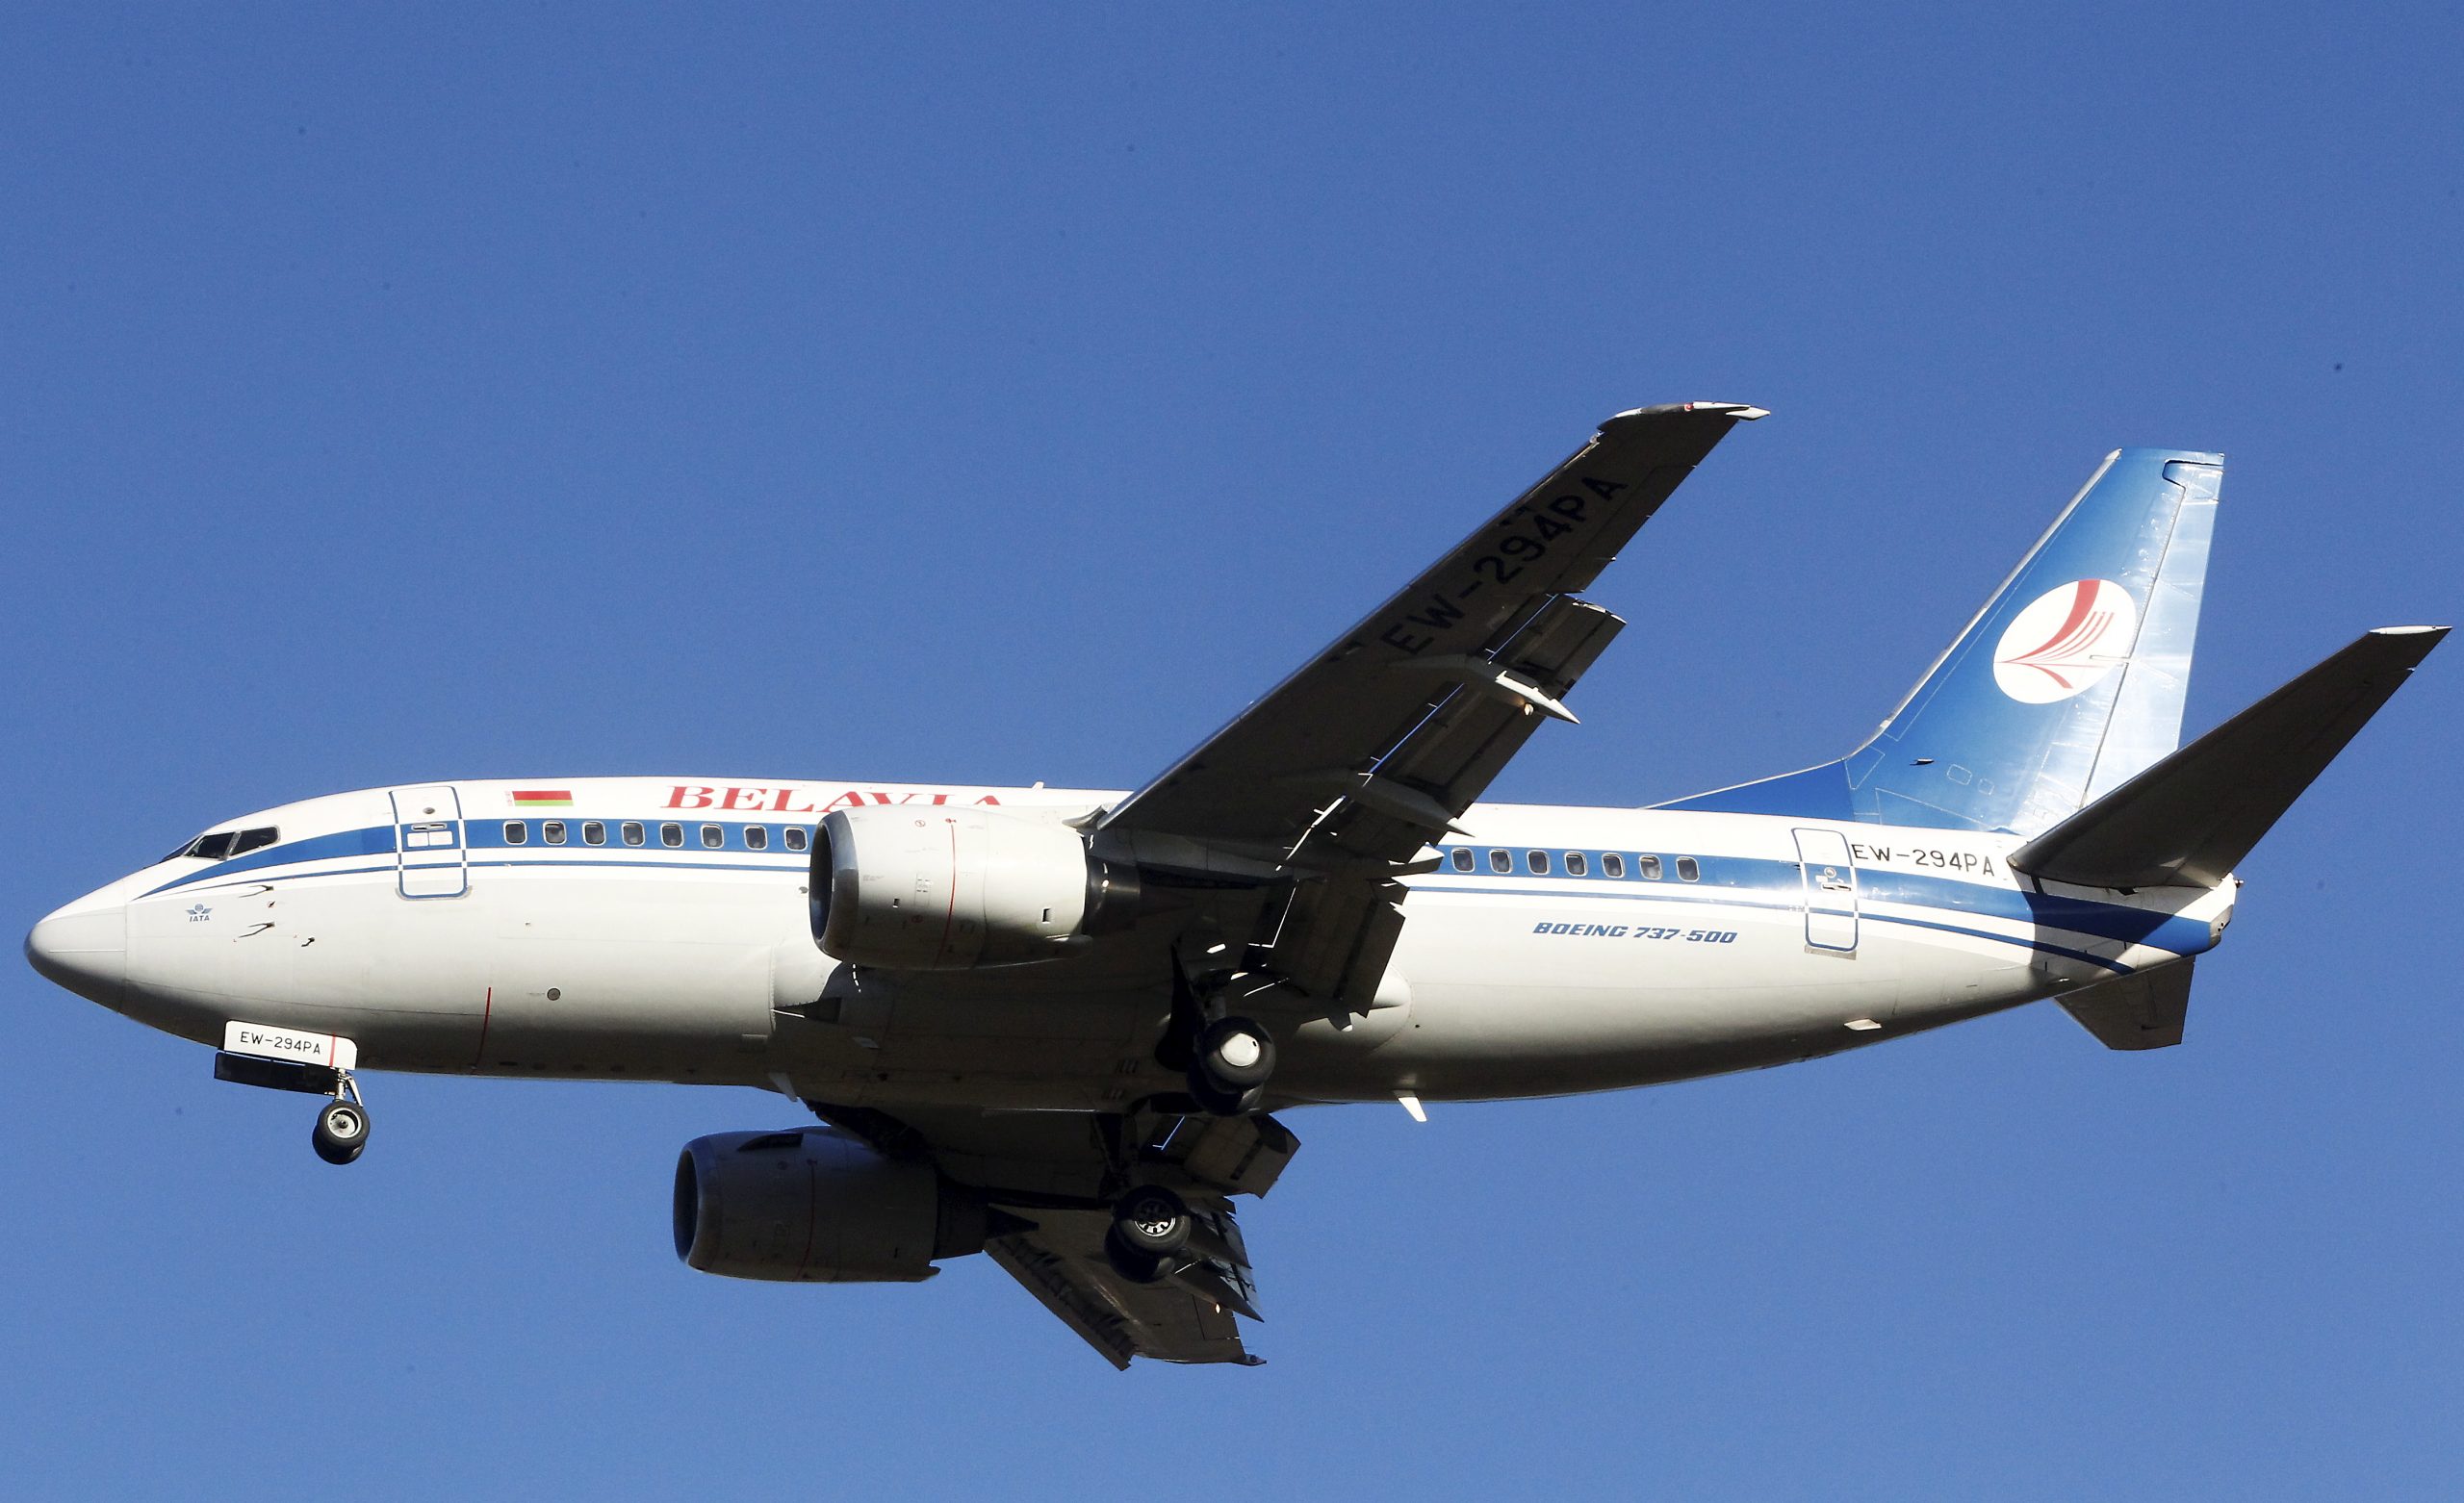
(961, 395)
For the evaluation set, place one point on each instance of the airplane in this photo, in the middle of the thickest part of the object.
(1054, 1024)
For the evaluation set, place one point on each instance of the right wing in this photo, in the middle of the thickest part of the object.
(1185, 1317)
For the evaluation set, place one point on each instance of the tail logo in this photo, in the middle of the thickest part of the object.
(2065, 642)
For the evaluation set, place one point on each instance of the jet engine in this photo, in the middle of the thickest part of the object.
(816, 1206)
(938, 888)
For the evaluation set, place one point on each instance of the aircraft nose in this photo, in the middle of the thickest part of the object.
(84, 948)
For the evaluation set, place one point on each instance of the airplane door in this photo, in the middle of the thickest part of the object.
(1830, 875)
(428, 839)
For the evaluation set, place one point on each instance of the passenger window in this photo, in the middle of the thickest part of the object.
(632, 831)
(593, 833)
(671, 835)
(1576, 865)
(756, 837)
(252, 840)
(1688, 870)
(516, 832)
(1539, 861)
(1462, 859)
(1649, 866)
(1502, 862)
(713, 838)
(555, 832)
(214, 847)
(1613, 865)
(796, 838)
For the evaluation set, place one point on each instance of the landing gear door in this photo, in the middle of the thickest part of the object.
(1830, 876)
(428, 838)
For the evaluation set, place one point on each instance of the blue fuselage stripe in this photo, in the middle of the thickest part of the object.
(1735, 882)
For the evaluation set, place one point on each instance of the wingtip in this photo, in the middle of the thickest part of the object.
(1740, 412)
(2408, 646)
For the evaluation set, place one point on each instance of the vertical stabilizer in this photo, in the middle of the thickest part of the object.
(2067, 683)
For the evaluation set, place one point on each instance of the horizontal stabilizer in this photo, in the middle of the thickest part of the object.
(2143, 1010)
(2188, 819)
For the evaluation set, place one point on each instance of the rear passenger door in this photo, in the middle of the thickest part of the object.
(1829, 874)
(431, 857)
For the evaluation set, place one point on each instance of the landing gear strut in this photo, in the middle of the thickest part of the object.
(342, 1128)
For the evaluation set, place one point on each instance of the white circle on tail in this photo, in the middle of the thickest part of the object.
(2065, 642)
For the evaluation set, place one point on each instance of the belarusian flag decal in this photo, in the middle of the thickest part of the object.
(542, 799)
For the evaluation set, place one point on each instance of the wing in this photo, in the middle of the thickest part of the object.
(1184, 1317)
(1405, 718)
(1047, 1177)
(1335, 781)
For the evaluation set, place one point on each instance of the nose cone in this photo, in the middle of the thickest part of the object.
(84, 948)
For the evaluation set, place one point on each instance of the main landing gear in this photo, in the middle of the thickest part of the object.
(1233, 1057)
(1150, 1227)
(1226, 1059)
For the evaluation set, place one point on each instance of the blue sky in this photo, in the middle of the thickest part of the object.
(946, 393)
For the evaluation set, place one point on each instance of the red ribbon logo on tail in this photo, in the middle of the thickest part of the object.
(2065, 642)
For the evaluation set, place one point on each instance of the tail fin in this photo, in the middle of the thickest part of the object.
(2188, 819)
(2067, 683)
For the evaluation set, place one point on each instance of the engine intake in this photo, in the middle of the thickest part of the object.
(816, 1206)
(950, 888)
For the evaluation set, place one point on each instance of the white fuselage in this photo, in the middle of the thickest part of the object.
(658, 930)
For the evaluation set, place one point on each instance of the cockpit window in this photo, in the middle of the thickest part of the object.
(224, 843)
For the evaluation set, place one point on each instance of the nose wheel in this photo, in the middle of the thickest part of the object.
(342, 1127)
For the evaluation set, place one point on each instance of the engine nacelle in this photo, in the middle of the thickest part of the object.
(941, 888)
(816, 1206)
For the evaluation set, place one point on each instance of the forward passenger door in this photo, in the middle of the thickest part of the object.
(430, 854)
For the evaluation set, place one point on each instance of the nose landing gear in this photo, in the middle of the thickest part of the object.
(314, 1064)
(342, 1128)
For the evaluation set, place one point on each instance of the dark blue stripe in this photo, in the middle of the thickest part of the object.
(377, 840)
(2117, 922)
(2115, 966)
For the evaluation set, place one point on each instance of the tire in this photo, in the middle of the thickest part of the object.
(1236, 1053)
(1216, 1102)
(1135, 1267)
(1151, 1221)
(342, 1131)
